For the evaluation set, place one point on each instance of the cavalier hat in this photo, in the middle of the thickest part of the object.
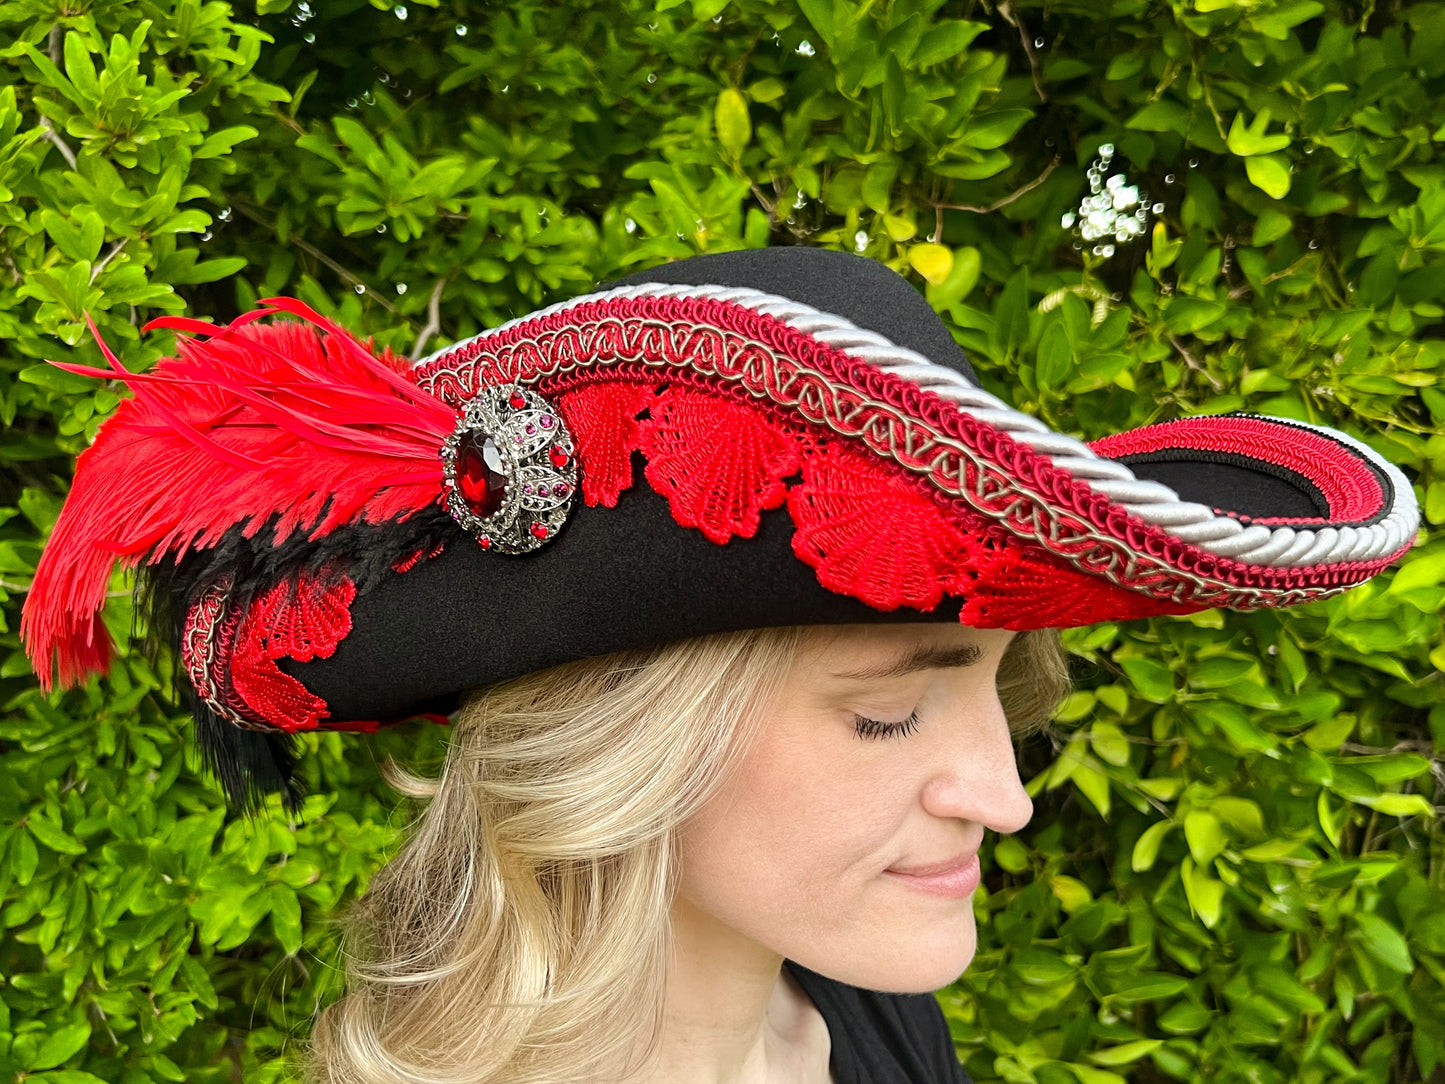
(335, 538)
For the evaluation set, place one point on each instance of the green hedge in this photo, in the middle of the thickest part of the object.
(1236, 872)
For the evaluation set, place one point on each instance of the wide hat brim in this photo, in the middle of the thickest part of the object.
(762, 438)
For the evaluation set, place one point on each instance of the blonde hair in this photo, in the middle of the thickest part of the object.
(521, 934)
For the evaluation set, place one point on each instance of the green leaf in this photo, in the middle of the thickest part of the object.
(933, 262)
(1187, 315)
(1146, 847)
(1419, 570)
(1109, 743)
(1055, 357)
(1148, 678)
(962, 277)
(24, 857)
(1161, 116)
(1125, 1053)
(1040, 967)
(53, 836)
(986, 131)
(1251, 139)
(820, 14)
(1011, 317)
(286, 918)
(1270, 174)
(1396, 805)
(1385, 943)
(224, 141)
(945, 40)
(1204, 834)
(1205, 894)
(60, 1045)
(734, 127)
(878, 184)
(1270, 226)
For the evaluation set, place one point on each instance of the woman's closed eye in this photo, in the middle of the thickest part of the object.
(875, 728)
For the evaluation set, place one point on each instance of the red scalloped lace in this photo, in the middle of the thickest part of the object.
(868, 537)
(603, 421)
(303, 620)
(720, 464)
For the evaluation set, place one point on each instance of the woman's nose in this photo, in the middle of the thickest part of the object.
(977, 778)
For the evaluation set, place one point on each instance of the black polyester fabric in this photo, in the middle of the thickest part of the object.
(882, 1038)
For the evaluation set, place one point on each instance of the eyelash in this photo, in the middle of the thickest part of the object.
(873, 728)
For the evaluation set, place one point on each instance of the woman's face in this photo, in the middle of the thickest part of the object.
(801, 850)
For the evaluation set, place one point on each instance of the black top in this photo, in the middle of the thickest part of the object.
(882, 1038)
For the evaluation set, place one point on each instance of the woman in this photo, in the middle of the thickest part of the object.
(715, 811)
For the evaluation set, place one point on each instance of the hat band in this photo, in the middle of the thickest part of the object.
(969, 464)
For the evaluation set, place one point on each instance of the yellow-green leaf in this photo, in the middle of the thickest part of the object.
(1109, 742)
(1125, 1053)
(1146, 847)
(933, 262)
(734, 126)
(1269, 173)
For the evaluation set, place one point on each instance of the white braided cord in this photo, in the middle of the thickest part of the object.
(1152, 502)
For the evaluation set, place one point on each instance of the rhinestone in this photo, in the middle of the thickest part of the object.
(545, 421)
(517, 400)
(539, 531)
(544, 491)
(480, 475)
(559, 456)
(484, 542)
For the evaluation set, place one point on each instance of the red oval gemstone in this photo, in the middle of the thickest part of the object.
(539, 531)
(479, 475)
(559, 456)
(517, 400)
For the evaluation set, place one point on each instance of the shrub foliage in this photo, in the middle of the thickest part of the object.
(1236, 872)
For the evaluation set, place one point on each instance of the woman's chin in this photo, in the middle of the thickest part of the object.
(916, 961)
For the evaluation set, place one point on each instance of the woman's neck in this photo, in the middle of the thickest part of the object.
(733, 1015)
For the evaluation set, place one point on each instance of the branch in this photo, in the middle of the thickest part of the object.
(1012, 197)
(54, 137)
(1190, 361)
(316, 254)
(768, 204)
(1006, 10)
(111, 254)
(433, 319)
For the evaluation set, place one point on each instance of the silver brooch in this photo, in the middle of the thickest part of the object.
(511, 470)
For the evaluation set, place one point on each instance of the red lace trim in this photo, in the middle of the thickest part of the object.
(975, 473)
(719, 464)
(603, 421)
(868, 537)
(300, 620)
(1019, 586)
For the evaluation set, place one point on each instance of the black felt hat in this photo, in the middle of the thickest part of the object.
(753, 439)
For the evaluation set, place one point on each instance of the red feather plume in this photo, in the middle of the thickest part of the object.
(301, 427)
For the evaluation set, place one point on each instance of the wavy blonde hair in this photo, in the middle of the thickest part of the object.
(520, 936)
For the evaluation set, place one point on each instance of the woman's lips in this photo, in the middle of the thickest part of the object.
(955, 880)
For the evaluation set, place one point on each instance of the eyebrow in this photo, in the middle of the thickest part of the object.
(919, 658)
